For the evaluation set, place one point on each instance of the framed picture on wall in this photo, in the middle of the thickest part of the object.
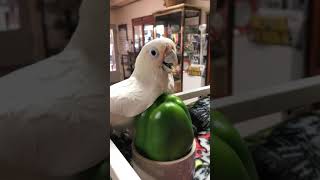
(142, 29)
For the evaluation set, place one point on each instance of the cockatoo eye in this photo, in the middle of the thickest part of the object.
(154, 52)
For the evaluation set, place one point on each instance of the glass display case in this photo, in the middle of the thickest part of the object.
(113, 65)
(137, 37)
(143, 31)
(148, 33)
(181, 24)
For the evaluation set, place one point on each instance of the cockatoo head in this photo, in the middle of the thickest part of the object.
(158, 55)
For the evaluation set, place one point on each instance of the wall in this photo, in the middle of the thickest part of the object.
(270, 64)
(141, 8)
(205, 6)
(113, 17)
(258, 66)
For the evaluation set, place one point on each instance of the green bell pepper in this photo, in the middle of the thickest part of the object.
(164, 131)
(230, 155)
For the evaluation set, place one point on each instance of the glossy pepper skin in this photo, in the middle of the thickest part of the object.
(164, 131)
(231, 157)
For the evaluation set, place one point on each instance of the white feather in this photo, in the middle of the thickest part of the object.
(131, 97)
(53, 113)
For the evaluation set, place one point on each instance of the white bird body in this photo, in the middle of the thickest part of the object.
(48, 116)
(149, 80)
(53, 113)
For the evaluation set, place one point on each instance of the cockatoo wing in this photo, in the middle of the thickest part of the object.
(53, 119)
(48, 114)
(130, 97)
(118, 120)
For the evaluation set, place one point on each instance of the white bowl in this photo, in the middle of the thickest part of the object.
(180, 169)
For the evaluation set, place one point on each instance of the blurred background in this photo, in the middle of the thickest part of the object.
(260, 43)
(33, 30)
(265, 80)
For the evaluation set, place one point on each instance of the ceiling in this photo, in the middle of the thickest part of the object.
(114, 4)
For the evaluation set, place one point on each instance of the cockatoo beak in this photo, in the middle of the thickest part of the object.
(170, 59)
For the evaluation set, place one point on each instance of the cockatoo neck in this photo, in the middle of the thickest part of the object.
(90, 35)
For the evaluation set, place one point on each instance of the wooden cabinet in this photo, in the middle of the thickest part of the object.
(313, 63)
(220, 25)
(181, 23)
(142, 29)
(60, 19)
(21, 41)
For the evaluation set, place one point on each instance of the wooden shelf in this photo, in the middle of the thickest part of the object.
(176, 8)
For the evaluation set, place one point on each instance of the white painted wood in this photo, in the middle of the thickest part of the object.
(192, 82)
(120, 169)
(252, 126)
(202, 91)
(271, 100)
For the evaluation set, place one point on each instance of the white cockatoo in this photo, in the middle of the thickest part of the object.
(151, 77)
(53, 113)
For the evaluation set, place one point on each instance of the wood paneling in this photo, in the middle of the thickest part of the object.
(314, 39)
(221, 38)
(145, 20)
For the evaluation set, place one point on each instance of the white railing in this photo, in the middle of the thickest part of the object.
(291, 95)
(120, 169)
